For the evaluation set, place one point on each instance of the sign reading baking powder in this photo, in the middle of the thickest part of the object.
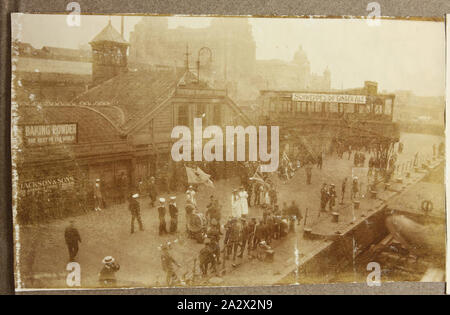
(50, 134)
(329, 98)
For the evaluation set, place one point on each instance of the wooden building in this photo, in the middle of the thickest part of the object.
(355, 117)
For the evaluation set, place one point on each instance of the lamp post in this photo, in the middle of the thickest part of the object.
(198, 60)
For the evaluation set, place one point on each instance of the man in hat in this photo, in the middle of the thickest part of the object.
(343, 188)
(162, 216)
(72, 237)
(152, 191)
(107, 276)
(245, 236)
(260, 231)
(308, 170)
(135, 210)
(355, 187)
(213, 211)
(167, 263)
(123, 187)
(190, 197)
(273, 194)
(235, 238)
(332, 197)
(294, 214)
(250, 227)
(213, 231)
(173, 212)
(323, 197)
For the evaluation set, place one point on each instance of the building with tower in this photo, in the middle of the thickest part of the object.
(109, 54)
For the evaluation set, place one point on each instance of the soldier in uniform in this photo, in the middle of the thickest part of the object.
(259, 233)
(273, 194)
(213, 211)
(213, 231)
(206, 258)
(214, 234)
(173, 211)
(135, 210)
(269, 227)
(277, 227)
(245, 237)
(162, 216)
(72, 237)
(234, 237)
(250, 234)
(107, 276)
(152, 191)
(167, 263)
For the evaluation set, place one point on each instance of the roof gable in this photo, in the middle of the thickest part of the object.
(109, 34)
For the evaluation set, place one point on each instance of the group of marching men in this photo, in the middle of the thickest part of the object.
(239, 233)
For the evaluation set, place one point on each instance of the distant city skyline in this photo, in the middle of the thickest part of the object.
(399, 55)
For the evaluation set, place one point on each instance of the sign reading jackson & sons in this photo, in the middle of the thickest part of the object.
(49, 134)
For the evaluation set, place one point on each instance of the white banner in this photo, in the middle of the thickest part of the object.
(329, 98)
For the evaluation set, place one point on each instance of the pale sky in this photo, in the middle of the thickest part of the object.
(399, 55)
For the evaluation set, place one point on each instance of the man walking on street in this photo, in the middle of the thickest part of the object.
(308, 169)
(323, 197)
(98, 196)
(152, 191)
(173, 212)
(135, 210)
(72, 237)
(167, 263)
(162, 216)
(343, 187)
(332, 197)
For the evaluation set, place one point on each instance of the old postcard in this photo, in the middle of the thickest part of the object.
(169, 151)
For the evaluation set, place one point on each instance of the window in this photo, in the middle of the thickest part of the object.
(306, 107)
(316, 107)
(378, 108)
(388, 106)
(333, 108)
(118, 56)
(272, 105)
(183, 115)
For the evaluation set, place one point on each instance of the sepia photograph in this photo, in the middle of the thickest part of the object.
(226, 151)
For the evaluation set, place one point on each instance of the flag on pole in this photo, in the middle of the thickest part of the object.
(285, 157)
(258, 177)
(197, 176)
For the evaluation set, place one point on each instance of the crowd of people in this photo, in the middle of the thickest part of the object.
(228, 237)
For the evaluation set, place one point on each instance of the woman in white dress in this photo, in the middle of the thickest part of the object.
(243, 203)
(235, 209)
